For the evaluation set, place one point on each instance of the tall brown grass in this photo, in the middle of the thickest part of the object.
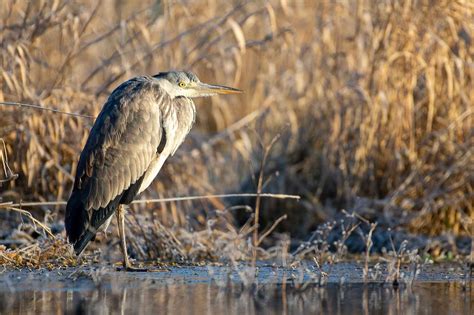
(373, 102)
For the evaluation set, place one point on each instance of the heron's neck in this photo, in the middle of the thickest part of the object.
(166, 86)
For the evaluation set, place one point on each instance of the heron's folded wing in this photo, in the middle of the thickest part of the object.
(121, 144)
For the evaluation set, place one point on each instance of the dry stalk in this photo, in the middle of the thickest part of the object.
(266, 152)
(29, 216)
(368, 247)
(270, 230)
(9, 175)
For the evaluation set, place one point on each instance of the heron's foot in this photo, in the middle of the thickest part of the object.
(136, 269)
(159, 269)
(130, 268)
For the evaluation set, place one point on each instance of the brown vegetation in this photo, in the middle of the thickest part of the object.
(372, 102)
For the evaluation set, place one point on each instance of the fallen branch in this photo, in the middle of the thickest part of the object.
(146, 201)
(57, 111)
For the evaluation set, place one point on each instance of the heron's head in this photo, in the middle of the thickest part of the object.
(187, 84)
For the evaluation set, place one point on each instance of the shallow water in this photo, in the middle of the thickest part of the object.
(224, 290)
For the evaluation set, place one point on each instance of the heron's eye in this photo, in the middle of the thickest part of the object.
(182, 84)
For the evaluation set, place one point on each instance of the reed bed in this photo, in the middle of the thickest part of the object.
(371, 103)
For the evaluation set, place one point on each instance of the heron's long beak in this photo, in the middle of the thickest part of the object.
(205, 88)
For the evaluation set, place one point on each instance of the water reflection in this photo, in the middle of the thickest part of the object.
(202, 298)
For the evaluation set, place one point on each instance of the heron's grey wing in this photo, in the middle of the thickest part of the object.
(120, 147)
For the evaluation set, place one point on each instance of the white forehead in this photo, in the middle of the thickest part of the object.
(177, 76)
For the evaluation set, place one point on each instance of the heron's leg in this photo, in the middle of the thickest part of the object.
(121, 226)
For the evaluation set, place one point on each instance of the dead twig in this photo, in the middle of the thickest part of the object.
(147, 201)
(270, 230)
(57, 111)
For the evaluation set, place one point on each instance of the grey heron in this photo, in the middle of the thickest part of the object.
(142, 123)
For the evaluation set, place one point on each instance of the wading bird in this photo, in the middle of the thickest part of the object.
(142, 123)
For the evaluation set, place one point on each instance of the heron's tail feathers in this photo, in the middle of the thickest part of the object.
(76, 222)
(83, 241)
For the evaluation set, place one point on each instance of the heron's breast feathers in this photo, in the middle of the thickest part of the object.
(137, 129)
(121, 145)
